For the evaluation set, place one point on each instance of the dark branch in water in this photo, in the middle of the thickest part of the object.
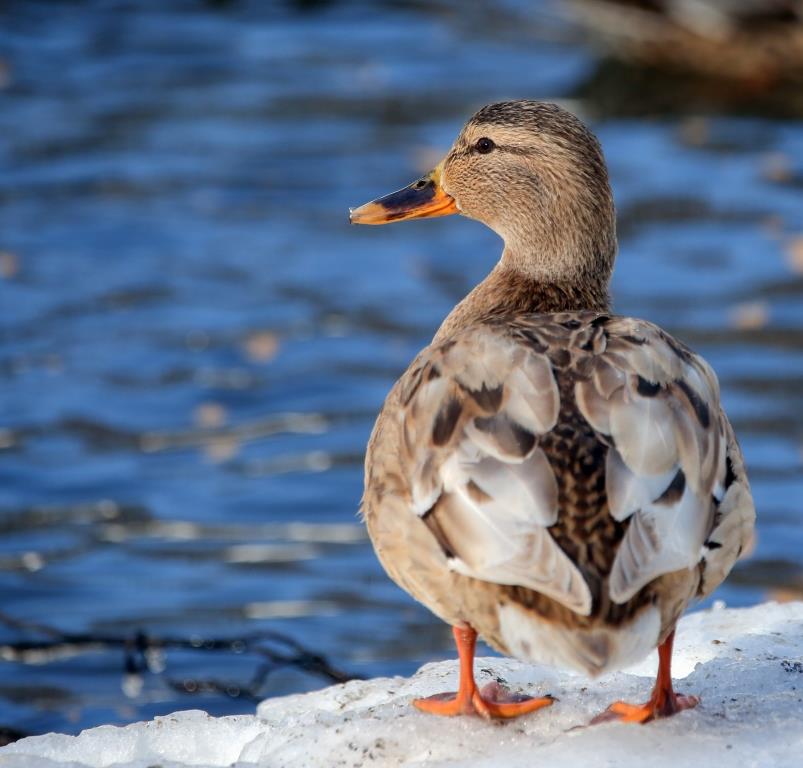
(144, 654)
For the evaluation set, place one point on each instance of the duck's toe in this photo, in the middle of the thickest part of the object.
(499, 702)
(446, 704)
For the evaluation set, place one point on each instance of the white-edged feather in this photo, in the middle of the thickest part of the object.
(661, 538)
(629, 492)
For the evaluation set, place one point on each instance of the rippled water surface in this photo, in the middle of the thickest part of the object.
(194, 342)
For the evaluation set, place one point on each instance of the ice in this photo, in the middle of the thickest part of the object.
(747, 665)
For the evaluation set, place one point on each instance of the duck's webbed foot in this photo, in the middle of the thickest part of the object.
(492, 701)
(644, 713)
(664, 702)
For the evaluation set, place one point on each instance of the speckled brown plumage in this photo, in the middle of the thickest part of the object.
(506, 293)
(560, 479)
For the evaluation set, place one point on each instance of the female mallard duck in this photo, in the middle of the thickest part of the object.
(757, 41)
(559, 480)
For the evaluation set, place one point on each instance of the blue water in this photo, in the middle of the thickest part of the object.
(194, 342)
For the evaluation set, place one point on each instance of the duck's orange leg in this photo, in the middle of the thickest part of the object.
(663, 702)
(492, 701)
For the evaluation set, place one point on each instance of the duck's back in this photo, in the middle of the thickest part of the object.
(556, 477)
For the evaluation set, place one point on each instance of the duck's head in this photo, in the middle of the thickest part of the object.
(535, 175)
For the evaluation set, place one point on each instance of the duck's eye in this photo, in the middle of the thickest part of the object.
(484, 145)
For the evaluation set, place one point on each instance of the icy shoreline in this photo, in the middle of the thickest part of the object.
(747, 666)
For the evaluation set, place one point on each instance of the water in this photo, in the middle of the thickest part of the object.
(194, 343)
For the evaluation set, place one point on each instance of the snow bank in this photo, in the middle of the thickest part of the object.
(747, 665)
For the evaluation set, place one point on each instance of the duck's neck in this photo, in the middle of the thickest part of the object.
(508, 291)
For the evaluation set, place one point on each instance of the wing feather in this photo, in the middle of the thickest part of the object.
(480, 481)
(658, 403)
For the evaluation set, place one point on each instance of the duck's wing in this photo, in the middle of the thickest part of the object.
(473, 410)
(673, 469)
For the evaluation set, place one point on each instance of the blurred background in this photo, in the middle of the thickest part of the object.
(194, 343)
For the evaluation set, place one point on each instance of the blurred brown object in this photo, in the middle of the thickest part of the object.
(210, 415)
(749, 315)
(777, 167)
(794, 254)
(758, 42)
(9, 265)
(261, 346)
(785, 594)
(5, 74)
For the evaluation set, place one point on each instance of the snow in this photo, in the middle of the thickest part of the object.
(747, 665)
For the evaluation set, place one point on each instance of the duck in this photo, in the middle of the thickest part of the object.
(551, 477)
(756, 42)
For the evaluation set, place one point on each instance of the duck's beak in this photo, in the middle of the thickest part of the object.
(423, 199)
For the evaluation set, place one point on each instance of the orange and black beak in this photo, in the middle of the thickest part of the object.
(423, 199)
